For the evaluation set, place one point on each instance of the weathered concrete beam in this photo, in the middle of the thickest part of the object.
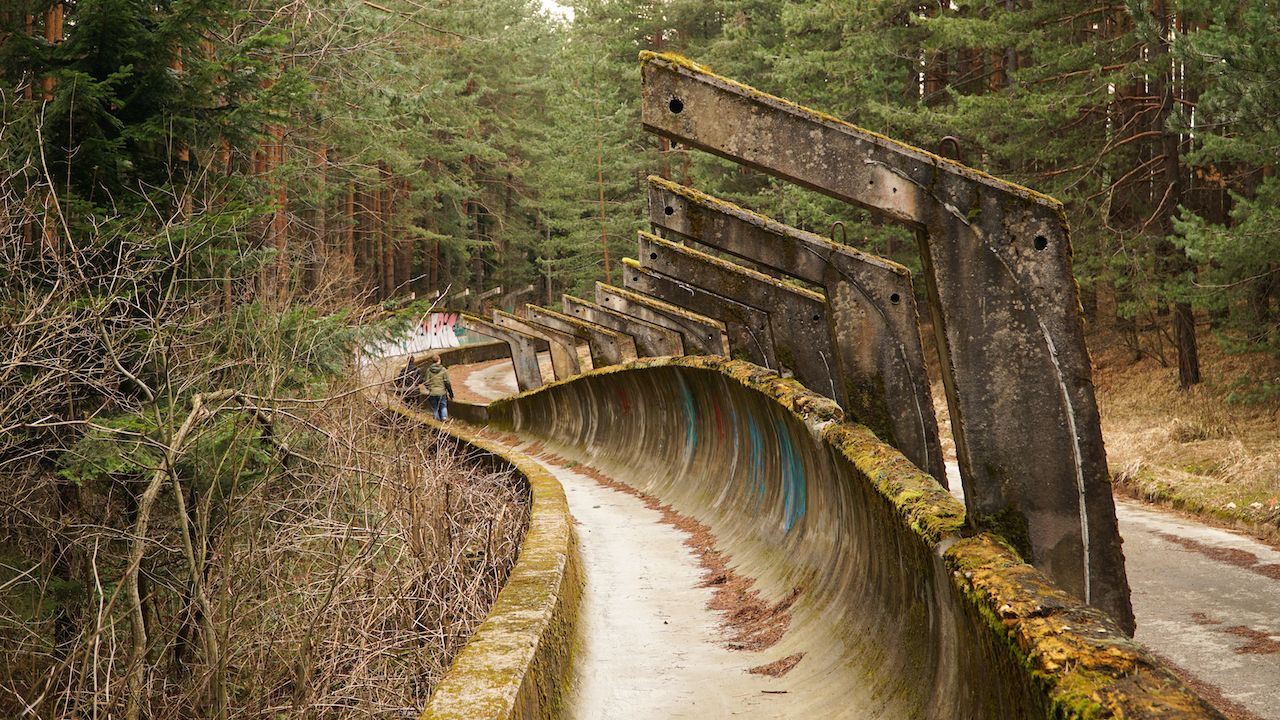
(871, 308)
(564, 347)
(997, 260)
(750, 337)
(524, 349)
(699, 334)
(798, 322)
(608, 347)
(651, 340)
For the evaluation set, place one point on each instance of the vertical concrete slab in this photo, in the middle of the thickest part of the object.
(802, 341)
(750, 337)
(997, 260)
(699, 334)
(564, 347)
(871, 308)
(651, 340)
(608, 347)
(524, 349)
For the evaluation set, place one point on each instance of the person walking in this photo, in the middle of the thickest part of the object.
(439, 389)
(408, 380)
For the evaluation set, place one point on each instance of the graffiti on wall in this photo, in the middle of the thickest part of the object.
(441, 331)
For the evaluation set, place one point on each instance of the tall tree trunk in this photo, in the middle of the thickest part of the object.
(604, 229)
(280, 218)
(349, 231)
(316, 247)
(1176, 262)
(53, 21)
(387, 186)
(377, 237)
(404, 259)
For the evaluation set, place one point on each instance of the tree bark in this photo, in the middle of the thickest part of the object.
(1175, 260)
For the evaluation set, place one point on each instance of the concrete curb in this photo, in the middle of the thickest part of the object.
(517, 663)
(933, 623)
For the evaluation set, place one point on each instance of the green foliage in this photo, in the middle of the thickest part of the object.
(120, 448)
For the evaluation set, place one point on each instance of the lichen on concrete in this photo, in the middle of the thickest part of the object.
(1043, 652)
(699, 198)
(723, 264)
(682, 63)
(517, 663)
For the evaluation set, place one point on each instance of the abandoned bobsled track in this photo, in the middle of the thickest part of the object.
(896, 613)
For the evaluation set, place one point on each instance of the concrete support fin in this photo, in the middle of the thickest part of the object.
(651, 340)
(564, 347)
(871, 308)
(797, 318)
(997, 261)
(524, 350)
(608, 347)
(747, 327)
(699, 334)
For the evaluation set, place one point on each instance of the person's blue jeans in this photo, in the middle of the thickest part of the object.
(439, 406)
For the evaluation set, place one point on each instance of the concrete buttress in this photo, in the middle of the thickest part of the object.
(871, 308)
(564, 347)
(699, 334)
(524, 350)
(608, 347)
(797, 318)
(747, 327)
(997, 263)
(651, 340)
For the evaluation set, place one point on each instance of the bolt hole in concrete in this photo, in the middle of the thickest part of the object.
(1041, 242)
(653, 256)
(895, 298)
(676, 105)
(669, 210)
(815, 318)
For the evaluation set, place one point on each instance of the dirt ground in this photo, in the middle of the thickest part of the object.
(1202, 450)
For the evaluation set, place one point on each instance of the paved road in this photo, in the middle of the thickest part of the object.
(1209, 601)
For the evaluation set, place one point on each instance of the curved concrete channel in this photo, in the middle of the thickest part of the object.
(650, 646)
(877, 605)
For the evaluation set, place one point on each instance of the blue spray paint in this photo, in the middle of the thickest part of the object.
(690, 416)
(756, 474)
(794, 492)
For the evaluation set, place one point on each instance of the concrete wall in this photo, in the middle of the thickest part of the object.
(517, 663)
(898, 614)
(476, 353)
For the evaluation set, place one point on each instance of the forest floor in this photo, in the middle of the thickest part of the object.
(1202, 451)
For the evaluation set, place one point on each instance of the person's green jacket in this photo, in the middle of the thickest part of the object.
(437, 381)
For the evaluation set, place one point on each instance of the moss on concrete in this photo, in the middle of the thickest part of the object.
(679, 62)
(518, 662)
(1074, 654)
(1009, 526)
(739, 270)
(1062, 658)
(715, 204)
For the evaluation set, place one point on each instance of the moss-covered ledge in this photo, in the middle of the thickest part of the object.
(1071, 660)
(516, 664)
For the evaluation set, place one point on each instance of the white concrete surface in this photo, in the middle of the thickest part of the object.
(650, 647)
(493, 382)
